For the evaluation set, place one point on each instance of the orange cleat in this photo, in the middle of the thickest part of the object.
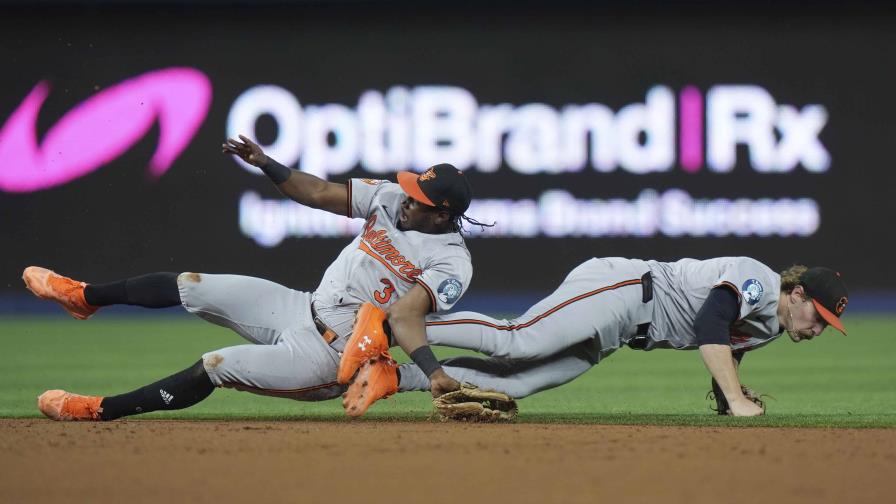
(62, 405)
(368, 341)
(46, 284)
(377, 379)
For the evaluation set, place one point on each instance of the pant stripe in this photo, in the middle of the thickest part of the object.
(279, 391)
(543, 315)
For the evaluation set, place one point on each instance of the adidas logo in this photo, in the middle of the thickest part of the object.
(166, 396)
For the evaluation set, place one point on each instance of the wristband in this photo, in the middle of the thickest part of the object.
(425, 360)
(276, 171)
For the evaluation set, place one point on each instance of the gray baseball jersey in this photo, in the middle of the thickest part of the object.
(383, 263)
(289, 358)
(681, 287)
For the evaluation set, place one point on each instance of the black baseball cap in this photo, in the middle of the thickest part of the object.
(442, 186)
(827, 291)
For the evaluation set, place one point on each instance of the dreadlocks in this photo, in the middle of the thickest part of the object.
(461, 218)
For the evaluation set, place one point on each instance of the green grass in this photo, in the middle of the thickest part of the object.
(833, 381)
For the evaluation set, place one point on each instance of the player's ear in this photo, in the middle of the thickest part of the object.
(799, 293)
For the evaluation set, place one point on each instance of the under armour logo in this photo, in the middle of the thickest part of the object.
(364, 342)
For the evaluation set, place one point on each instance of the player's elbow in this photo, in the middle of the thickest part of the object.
(712, 338)
(328, 196)
(398, 314)
(711, 330)
(307, 191)
(309, 197)
(412, 307)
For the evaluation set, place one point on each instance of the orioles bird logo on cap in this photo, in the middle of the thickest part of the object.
(841, 305)
(428, 174)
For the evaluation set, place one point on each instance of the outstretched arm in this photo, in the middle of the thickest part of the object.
(721, 403)
(711, 327)
(406, 318)
(720, 363)
(301, 187)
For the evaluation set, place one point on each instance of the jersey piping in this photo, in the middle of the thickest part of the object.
(736, 292)
(432, 298)
(283, 391)
(348, 203)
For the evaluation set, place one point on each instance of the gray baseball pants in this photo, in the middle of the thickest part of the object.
(601, 299)
(515, 378)
(287, 357)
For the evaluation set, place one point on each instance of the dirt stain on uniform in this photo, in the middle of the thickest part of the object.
(192, 277)
(212, 361)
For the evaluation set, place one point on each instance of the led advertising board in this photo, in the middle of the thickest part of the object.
(650, 136)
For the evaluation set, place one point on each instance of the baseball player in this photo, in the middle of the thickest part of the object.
(723, 306)
(410, 259)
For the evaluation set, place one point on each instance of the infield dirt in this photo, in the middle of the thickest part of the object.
(235, 461)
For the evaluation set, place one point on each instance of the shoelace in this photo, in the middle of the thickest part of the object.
(65, 285)
(94, 413)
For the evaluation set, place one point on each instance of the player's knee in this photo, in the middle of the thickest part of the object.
(211, 361)
(189, 277)
(520, 345)
(523, 351)
(515, 388)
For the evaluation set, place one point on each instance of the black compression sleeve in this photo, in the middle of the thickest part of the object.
(276, 171)
(178, 391)
(155, 290)
(716, 315)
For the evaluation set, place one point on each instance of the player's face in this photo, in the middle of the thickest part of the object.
(416, 216)
(805, 322)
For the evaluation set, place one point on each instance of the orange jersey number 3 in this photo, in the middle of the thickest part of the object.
(383, 297)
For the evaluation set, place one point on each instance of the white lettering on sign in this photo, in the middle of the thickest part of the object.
(556, 213)
(414, 128)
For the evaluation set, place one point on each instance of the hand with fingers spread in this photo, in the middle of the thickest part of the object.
(247, 150)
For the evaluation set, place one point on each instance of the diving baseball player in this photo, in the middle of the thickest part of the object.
(723, 306)
(410, 259)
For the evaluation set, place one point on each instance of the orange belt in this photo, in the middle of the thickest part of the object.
(326, 333)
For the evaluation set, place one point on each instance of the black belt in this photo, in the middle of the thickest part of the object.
(640, 340)
(326, 333)
(646, 287)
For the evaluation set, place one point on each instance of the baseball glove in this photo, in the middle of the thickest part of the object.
(722, 404)
(472, 404)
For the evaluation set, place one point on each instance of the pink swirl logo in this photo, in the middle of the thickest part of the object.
(102, 128)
